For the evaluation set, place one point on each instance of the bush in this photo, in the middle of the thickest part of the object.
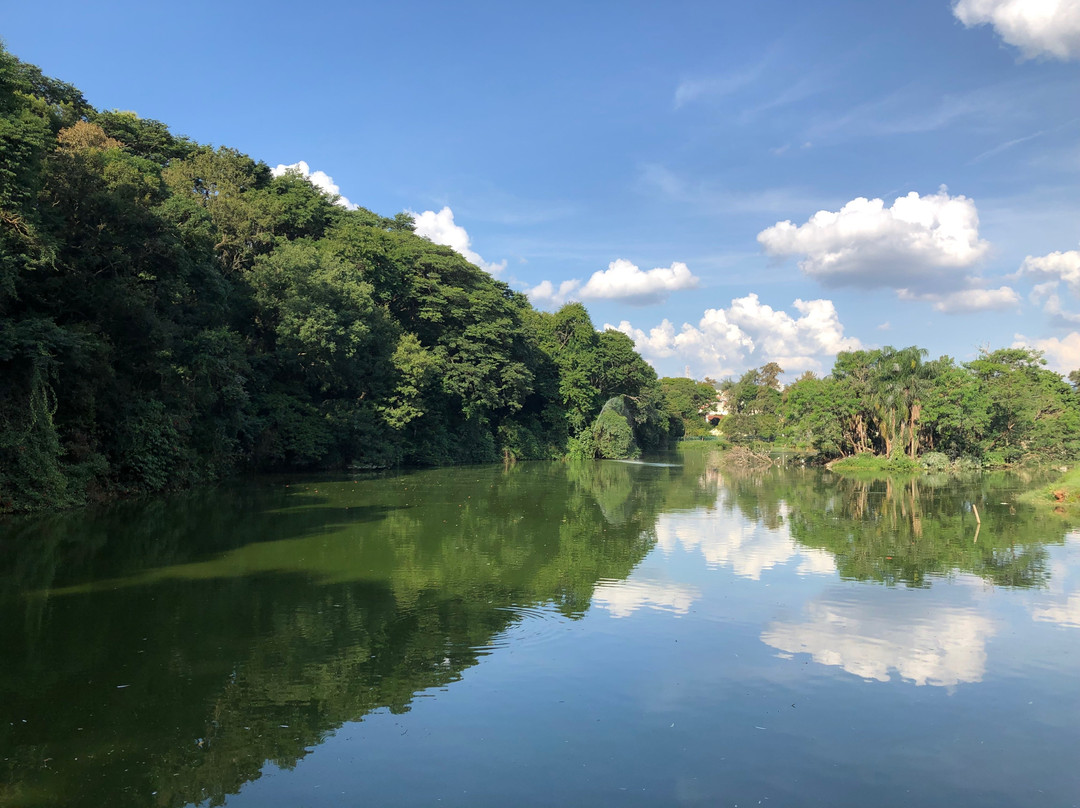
(613, 437)
(872, 462)
(934, 461)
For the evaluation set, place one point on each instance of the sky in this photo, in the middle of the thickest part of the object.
(728, 183)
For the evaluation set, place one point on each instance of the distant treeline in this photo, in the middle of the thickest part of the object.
(171, 312)
(1000, 408)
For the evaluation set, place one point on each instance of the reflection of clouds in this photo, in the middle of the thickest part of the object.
(872, 631)
(816, 561)
(1064, 612)
(749, 548)
(623, 598)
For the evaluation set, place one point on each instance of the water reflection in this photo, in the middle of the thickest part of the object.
(164, 652)
(1062, 607)
(748, 546)
(928, 641)
(895, 531)
(623, 598)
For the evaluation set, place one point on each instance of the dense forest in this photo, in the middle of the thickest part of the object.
(171, 312)
(1003, 407)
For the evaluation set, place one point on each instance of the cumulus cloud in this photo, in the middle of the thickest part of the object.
(1053, 270)
(1057, 266)
(1061, 354)
(658, 343)
(1039, 28)
(546, 293)
(725, 338)
(622, 281)
(320, 179)
(440, 228)
(869, 633)
(968, 300)
(921, 243)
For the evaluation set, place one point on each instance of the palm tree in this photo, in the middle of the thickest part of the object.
(900, 381)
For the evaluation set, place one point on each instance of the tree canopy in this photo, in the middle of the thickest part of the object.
(171, 312)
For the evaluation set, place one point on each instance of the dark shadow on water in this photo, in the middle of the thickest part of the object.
(177, 645)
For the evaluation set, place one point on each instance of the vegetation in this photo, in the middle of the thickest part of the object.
(287, 612)
(1063, 493)
(890, 409)
(171, 312)
(687, 399)
(904, 530)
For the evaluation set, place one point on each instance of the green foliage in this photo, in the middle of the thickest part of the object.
(1002, 408)
(875, 463)
(1062, 493)
(612, 434)
(934, 461)
(684, 399)
(172, 312)
(754, 403)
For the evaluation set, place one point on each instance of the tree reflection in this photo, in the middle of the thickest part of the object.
(162, 653)
(904, 530)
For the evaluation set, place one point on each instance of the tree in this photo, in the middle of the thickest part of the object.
(685, 398)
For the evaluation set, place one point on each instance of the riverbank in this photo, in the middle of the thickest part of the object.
(1062, 493)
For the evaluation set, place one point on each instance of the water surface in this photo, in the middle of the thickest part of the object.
(543, 634)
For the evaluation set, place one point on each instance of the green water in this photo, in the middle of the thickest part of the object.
(543, 634)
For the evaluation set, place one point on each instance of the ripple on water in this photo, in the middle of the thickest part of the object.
(532, 625)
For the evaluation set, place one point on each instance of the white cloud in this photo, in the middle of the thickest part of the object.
(547, 294)
(1062, 355)
(1038, 28)
(1046, 293)
(724, 339)
(921, 243)
(718, 86)
(715, 86)
(441, 229)
(870, 632)
(320, 179)
(968, 300)
(709, 199)
(624, 281)
(1057, 266)
(658, 343)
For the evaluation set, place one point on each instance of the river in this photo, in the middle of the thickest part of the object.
(664, 634)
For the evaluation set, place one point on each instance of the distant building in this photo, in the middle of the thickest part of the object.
(715, 412)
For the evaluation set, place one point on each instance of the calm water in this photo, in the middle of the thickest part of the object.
(613, 634)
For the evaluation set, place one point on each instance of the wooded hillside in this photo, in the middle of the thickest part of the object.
(171, 312)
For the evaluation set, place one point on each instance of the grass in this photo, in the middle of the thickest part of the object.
(1064, 492)
(876, 463)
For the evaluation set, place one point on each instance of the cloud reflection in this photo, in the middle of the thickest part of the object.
(1064, 614)
(870, 633)
(623, 598)
(1066, 610)
(748, 548)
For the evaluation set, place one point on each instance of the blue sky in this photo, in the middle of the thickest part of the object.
(644, 157)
